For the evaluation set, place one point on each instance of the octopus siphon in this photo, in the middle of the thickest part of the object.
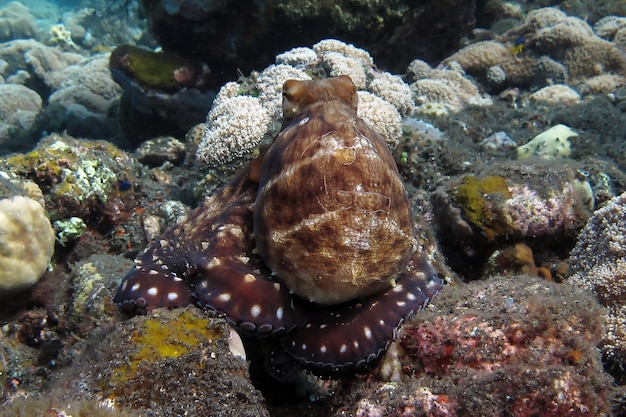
(313, 244)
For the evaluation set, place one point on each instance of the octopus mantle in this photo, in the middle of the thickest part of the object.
(224, 256)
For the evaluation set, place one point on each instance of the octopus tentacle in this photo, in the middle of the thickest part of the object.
(340, 337)
(226, 279)
(250, 301)
(206, 260)
(159, 278)
(144, 289)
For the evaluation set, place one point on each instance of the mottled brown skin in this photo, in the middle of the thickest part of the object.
(332, 217)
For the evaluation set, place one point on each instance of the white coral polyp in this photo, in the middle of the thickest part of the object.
(380, 116)
(234, 128)
(26, 243)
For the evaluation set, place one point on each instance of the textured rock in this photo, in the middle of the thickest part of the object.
(19, 107)
(247, 36)
(531, 201)
(598, 264)
(548, 33)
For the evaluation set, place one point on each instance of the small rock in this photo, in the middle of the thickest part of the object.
(156, 151)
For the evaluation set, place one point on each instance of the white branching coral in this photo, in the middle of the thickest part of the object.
(300, 58)
(380, 116)
(392, 89)
(345, 59)
(234, 127)
(346, 49)
(598, 264)
(243, 116)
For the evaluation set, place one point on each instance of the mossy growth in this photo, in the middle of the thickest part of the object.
(57, 154)
(160, 338)
(351, 15)
(150, 69)
(78, 177)
(478, 199)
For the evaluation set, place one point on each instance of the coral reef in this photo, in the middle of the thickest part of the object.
(19, 106)
(381, 114)
(85, 102)
(443, 91)
(555, 94)
(548, 34)
(16, 22)
(79, 94)
(598, 264)
(511, 345)
(26, 235)
(234, 127)
(41, 66)
(612, 28)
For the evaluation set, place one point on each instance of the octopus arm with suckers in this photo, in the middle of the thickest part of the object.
(319, 250)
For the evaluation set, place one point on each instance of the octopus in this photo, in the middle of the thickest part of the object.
(313, 244)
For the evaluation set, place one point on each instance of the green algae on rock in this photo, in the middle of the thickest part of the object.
(475, 197)
(160, 71)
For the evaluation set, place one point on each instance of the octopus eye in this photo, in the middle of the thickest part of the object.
(291, 88)
(290, 96)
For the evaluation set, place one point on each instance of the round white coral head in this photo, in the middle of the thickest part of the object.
(26, 243)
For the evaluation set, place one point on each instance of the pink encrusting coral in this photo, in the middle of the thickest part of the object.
(488, 346)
